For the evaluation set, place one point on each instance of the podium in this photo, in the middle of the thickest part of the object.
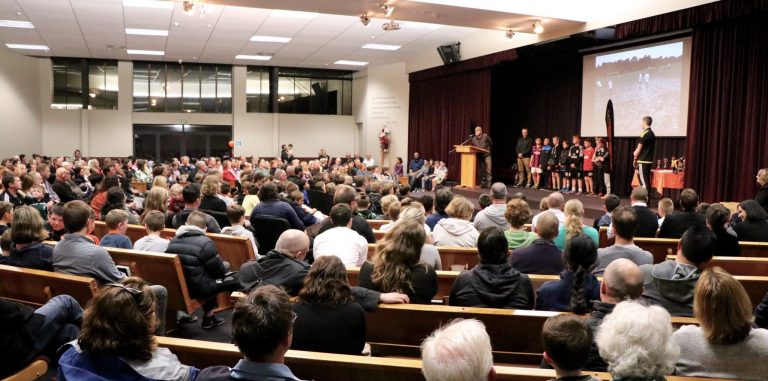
(469, 164)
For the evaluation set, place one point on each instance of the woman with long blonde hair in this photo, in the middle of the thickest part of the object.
(157, 199)
(396, 266)
(574, 225)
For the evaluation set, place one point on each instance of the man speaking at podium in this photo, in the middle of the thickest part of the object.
(481, 140)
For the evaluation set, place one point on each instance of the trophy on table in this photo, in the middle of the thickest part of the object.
(666, 163)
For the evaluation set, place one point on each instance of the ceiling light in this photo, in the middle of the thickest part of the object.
(146, 52)
(148, 4)
(351, 63)
(381, 46)
(146, 32)
(365, 19)
(537, 27)
(282, 40)
(293, 14)
(509, 33)
(257, 57)
(16, 24)
(392, 25)
(27, 47)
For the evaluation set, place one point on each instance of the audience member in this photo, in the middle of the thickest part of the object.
(5, 245)
(718, 218)
(328, 320)
(702, 208)
(635, 341)
(116, 201)
(494, 214)
(762, 194)
(55, 224)
(11, 187)
(363, 208)
(666, 208)
(116, 342)
(493, 283)
(542, 256)
(483, 202)
(154, 222)
(458, 351)
(251, 198)
(308, 216)
(610, 203)
(624, 226)
(647, 223)
(62, 189)
(341, 240)
(100, 196)
(567, 340)
(414, 211)
(517, 214)
(555, 202)
(27, 235)
(270, 205)
(677, 223)
(210, 190)
(28, 332)
(6, 215)
(237, 221)
(725, 345)
(443, 197)
(157, 200)
(117, 224)
(191, 196)
(577, 287)
(574, 225)
(391, 206)
(754, 222)
(670, 284)
(396, 266)
(456, 230)
(385, 203)
(345, 194)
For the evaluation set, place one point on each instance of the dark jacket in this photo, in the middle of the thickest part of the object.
(329, 329)
(556, 295)
(65, 193)
(434, 218)
(492, 286)
(524, 146)
(199, 259)
(670, 285)
(677, 223)
(599, 311)
(17, 323)
(55, 235)
(213, 203)
(727, 245)
(359, 224)
(762, 197)
(541, 257)
(752, 231)
(179, 219)
(278, 209)
(647, 222)
(761, 313)
(34, 256)
(423, 281)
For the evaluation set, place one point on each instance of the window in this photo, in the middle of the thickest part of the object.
(299, 91)
(164, 142)
(257, 89)
(82, 83)
(170, 87)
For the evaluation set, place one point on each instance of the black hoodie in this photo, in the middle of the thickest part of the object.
(492, 286)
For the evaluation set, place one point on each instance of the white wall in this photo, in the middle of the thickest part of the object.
(20, 124)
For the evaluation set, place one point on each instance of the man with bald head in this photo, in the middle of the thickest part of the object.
(555, 202)
(345, 194)
(285, 267)
(541, 256)
(493, 215)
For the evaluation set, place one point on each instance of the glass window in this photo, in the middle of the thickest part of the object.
(111, 85)
(285, 95)
(140, 87)
(224, 89)
(312, 91)
(302, 88)
(82, 83)
(182, 88)
(102, 85)
(156, 87)
(67, 84)
(191, 88)
(257, 90)
(346, 99)
(173, 88)
(208, 88)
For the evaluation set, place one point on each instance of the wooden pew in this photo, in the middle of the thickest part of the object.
(750, 266)
(140, 186)
(659, 247)
(466, 257)
(376, 224)
(34, 371)
(36, 287)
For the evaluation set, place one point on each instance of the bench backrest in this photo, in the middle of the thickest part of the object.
(36, 287)
(465, 257)
(752, 266)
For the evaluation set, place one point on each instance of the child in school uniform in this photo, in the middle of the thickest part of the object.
(536, 163)
(589, 153)
(546, 152)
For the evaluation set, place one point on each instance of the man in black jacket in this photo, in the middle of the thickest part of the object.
(647, 223)
(62, 189)
(205, 272)
(285, 267)
(677, 223)
(523, 149)
(484, 141)
(26, 333)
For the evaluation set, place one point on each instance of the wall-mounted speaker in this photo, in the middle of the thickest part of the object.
(450, 52)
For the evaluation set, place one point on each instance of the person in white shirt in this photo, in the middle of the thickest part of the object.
(369, 162)
(341, 240)
(154, 222)
(236, 217)
(555, 201)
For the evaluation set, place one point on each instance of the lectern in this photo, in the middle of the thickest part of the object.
(469, 165)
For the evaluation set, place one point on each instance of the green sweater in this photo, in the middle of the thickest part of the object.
(518, 239)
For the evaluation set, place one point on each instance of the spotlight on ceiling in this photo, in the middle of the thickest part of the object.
(509, 33)
(386, 8)
(537, 27)
(365, 19)
(392, 25)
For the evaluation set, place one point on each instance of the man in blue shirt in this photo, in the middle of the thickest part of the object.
(416, 163)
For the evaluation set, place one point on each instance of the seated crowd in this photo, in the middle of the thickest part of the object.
(298, 292)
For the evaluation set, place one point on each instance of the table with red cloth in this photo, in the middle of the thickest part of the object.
(661, 179)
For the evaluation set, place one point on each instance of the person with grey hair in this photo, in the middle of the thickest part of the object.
(493, 215)
(285, 266)
(459, 351)
(635, 341)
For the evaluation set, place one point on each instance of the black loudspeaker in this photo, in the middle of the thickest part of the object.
(450, 52)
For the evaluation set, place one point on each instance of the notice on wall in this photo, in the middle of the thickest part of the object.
(385, 111)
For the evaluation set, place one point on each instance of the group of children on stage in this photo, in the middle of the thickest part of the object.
(571, 168)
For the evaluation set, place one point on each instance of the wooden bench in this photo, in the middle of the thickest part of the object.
(36, 287)
(140, 186)
(34, 371)
(376, 224)
(751, 266)
(233, 249)
(466, 257)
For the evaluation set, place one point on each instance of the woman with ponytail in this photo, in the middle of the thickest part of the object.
(577, 287)
(574, 225)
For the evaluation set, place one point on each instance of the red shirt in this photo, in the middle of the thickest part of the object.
(535, 156)
(589, 153)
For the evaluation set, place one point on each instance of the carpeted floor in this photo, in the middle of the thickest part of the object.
(193, 331)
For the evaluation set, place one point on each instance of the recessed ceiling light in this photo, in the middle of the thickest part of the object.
(146, 52)
(176, 23)
(293, 14)
(257, 57)
(146, 32)
(270, 39)
(159, 4)
(27, 47)
(351, 63)
(381, 46)
(420, 25)
(16, 24)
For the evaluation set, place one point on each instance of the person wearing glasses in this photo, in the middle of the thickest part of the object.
(116, 340)
(262, 328)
